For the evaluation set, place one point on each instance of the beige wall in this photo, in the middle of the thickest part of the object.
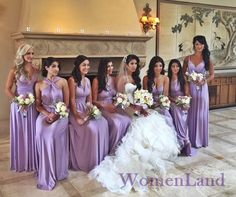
(151, 44)
(72, 16)
(9, 15)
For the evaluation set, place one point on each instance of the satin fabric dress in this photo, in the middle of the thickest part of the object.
(180, 119)
(118, 122)
(89, 143)
(198, 120)
(22, 129)
(51, 140)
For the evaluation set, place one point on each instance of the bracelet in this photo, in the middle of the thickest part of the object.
(13, 100)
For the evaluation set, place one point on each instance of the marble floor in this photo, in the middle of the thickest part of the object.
(216, 162)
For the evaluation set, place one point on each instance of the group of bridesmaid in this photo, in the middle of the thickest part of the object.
(80, 142)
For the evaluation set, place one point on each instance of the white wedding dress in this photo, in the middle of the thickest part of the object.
(145, 151)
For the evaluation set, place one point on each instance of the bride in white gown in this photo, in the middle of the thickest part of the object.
(147, 148)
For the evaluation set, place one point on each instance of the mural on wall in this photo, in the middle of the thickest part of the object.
(185, 21)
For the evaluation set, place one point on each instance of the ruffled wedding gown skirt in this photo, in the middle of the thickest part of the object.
(145, 152)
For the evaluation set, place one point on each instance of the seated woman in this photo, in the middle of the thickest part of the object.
(103, 92)
(178, 87)
(158, 84)
(89, 138)
(51, 130)
(145, 149)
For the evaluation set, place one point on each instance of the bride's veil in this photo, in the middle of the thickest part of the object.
(122, 77)
(123, 81)
(123, 69)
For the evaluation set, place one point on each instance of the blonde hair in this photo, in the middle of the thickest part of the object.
(19, 60)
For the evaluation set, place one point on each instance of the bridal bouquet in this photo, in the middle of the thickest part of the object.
(164, 102)
(61, 109)
(183, 102)
(143, 97)
(94, 112)
(121, 100)
(24, 101)
(196, 77)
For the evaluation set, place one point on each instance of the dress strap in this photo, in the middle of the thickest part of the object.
(52, 82)
(51, 86)
(189, 58)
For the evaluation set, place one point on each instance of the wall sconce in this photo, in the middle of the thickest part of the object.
(147, 20)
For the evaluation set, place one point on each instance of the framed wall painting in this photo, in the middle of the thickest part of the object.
(180, 22)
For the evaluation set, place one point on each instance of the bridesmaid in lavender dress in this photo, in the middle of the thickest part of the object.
(179, 115)
(158, 84)
(51, 130)
(22, 126)
(89, 138)
(103, 91)
(199, 110)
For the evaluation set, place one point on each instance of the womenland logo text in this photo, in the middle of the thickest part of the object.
(131, 178)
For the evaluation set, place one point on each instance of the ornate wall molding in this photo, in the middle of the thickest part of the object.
(68, 46)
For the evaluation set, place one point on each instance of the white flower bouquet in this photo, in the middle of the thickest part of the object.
(121, 100)
(94, 112)
(23, 101)
(196, 77)
(164, 102)
(143, 97)
(61, 109)
(183, 102)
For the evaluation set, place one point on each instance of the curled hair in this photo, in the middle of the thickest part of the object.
(76, 70)
(47, 63)
(19, 60)
(102, 74)
(151, 73)
(135, 74)
(179, 75)
(205, 53)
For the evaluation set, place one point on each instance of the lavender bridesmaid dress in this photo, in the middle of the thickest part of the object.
(180, 120)
(51, 140)
(22, 129)
(156, 92)
(118, 123)
(199, 109)
(89, 143)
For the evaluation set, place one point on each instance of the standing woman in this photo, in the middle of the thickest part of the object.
(178, 88)
(51, 130)
(199, 62)
(158, 84)
(89, 138)
(103, 91)
(22, 126)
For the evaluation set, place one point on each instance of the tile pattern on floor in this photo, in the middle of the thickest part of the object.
(218, 159)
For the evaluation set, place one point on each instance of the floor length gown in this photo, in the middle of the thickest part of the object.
(180, 119)
(51, 140)
(89, 143)
(22, 129)
(118, 122)
(198, 115)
